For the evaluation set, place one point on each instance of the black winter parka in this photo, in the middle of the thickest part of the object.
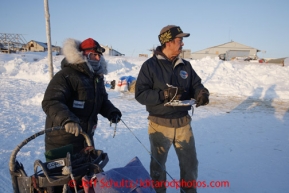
(153, 78)
(75, 94)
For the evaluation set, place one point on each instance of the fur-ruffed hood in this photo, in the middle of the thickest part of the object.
(71, 51)
(73, 56)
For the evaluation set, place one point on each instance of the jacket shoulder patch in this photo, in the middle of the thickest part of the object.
(183, 74)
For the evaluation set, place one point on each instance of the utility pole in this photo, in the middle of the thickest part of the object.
(48, 37)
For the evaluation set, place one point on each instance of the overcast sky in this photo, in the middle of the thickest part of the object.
(132, 26)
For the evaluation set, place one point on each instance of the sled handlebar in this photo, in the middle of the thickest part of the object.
(23, 143)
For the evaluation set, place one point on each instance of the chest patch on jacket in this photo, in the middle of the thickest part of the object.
(78, 104)
(183, 74)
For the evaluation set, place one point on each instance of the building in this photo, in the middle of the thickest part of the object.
(35, 46)
(143, 55)
(186, 54)
(223, 48)
(111, 52)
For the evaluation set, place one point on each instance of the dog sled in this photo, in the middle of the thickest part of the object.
(80, 173)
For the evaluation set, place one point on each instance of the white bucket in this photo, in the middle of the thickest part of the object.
(124, 86)
(118, 85)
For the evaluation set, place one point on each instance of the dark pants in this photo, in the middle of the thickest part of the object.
(161, 139)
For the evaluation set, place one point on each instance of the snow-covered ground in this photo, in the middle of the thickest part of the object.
(242, 136)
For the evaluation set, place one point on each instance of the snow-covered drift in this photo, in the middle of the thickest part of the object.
(240, 135)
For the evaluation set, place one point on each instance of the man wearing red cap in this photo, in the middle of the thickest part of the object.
(165, 78)
(76, 95)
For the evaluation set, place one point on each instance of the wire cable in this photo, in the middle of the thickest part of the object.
(151, 155)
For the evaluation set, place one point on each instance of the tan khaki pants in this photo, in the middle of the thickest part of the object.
(161, 139)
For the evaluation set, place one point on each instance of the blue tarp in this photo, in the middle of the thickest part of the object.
(132, 178)
(128, 79)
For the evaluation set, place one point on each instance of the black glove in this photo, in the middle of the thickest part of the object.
(114, 117)
(203, 97)
(73, 128)
(173, 93)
